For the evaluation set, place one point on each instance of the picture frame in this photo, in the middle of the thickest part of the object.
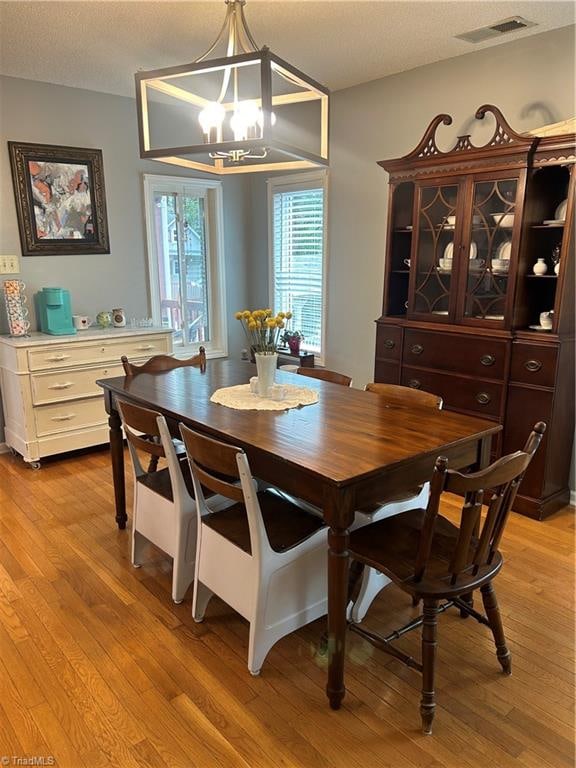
(60, 199)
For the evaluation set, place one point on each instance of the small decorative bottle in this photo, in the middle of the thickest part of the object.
(540, 268)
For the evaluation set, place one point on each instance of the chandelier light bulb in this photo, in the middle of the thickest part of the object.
(261, 118)
(211, 119)
(244, 121)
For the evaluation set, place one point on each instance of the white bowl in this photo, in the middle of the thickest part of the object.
(500, 265)
(504, 219)
(445, 264)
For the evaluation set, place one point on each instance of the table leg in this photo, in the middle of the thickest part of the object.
(117, 456)
(338, 514)
(337, 594)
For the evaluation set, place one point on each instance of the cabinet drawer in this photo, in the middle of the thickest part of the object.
(388, 342)
(66, 385)
(65, 417)
(73, 353)
(481, 397)
(471, 355)
(533, 364)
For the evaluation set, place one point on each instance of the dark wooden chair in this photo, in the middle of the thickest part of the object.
(396, 394)
(325, 375)
(434, 560)
(160, 364)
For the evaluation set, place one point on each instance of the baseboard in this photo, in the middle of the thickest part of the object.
(573, 498)
(4, 448)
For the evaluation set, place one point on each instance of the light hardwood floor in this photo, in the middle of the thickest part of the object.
(99, 668)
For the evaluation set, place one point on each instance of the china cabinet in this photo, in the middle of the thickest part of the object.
(479, 289)
(51, 401)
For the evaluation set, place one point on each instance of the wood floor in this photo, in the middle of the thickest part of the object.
(99, 668)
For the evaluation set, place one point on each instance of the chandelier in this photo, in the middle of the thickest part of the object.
(246, 110)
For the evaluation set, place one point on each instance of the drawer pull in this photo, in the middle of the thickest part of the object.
(63, 385)
(57, 358)
(389, 344)
(145, 347)
(487, 360)
(64, 417)
(416, 349)
(414, 383)
(483, 398)
(533, 365)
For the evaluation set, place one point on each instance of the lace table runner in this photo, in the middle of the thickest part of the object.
(241, 398)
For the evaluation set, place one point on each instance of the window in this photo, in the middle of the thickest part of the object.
(186, 260)
(297, 223)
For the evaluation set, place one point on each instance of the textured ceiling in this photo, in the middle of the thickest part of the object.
(99, 45)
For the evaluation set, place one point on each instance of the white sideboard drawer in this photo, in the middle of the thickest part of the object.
(57, 386)
(72, 355)
(65, 417)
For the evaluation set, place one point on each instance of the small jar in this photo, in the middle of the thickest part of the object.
(557, 268)
(118, 318)
(540, 268)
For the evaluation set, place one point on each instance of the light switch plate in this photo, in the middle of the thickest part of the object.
(9, 265)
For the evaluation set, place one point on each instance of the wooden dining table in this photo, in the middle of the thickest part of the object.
(351, 449)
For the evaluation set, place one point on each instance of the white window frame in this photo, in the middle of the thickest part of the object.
(293, 183)
(211, 190)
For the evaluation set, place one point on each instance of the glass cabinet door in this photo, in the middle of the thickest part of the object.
(490, 266)
(433, 275)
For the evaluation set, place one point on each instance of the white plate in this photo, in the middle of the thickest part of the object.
(560, 212)
(538, 328)
(449, 250)
(504, 250)
(554, 222)
(490, 317)
(439, 311)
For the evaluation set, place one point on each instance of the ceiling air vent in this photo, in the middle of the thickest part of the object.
(503, 27)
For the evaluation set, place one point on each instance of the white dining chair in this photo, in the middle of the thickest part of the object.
(263, 555)
(164, 510)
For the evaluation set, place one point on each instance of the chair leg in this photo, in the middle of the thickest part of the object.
(372, 584)
(493, 615)
(138, 544)
(200, 600)
(469, 598)
(429, 627)
(153, 465)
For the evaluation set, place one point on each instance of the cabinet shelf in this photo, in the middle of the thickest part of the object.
(403, 230)
(548, 226)
(400, 271)
(542, 277)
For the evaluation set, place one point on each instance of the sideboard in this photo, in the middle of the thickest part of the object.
(48, 384)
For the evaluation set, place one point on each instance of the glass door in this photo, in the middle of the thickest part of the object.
(436, 246)
(489, 269)
(182, 264)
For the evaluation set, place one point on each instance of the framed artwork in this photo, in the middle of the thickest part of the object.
(60, 199)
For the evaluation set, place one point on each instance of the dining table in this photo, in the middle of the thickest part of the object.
(348, 450)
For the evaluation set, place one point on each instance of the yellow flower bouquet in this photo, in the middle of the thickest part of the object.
(262, 329)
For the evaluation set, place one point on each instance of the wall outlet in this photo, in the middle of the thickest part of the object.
(9, 265)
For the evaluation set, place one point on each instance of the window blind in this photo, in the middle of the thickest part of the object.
(298, 256)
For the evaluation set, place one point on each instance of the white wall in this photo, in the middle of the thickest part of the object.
(50, 114)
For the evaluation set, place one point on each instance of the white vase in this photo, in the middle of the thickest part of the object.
(266, 363)
(540, 268)
(557, 268)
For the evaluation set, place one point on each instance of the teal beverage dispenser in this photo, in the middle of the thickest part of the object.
(54, 311)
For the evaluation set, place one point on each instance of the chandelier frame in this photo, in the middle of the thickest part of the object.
(293, 157)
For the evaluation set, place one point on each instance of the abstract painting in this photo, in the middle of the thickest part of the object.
(60, 199)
